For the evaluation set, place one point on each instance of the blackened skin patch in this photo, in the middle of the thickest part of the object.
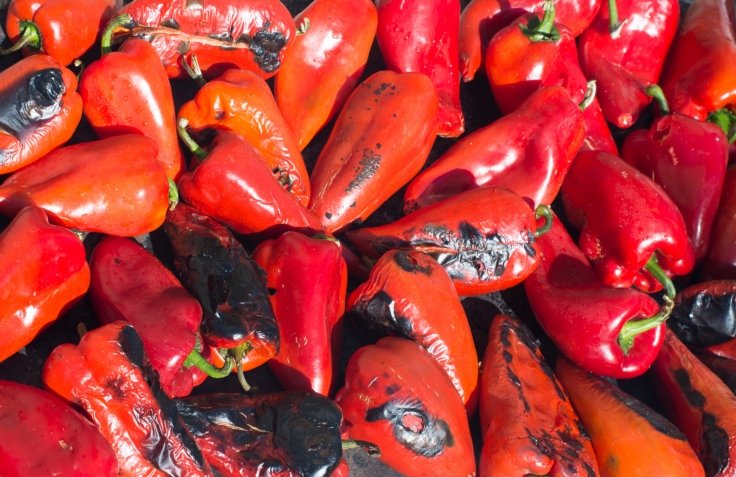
(413, 427)
(30, 101)
(378, 313)
(367, 167)
(705, 315)
(266, 47)
(656, 420)
(407, 263)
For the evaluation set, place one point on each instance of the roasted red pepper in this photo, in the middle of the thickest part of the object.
(630, 228)
(324, 64)
(720, 259)
(398, 397)
(421, 36)
(528, 151)
(63, 30)
(614, 332)
(43, 435)
(381, 139)
(629, 438)
(528, 425)
(39, 111)
(484, 248)
(309, 279)
(394, 300)
(114, 186)
(108, 376)
(44, 272)
(246, 34)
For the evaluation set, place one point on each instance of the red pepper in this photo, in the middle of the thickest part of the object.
(528, 151)
(720, 260)
(43, 435)
(380, 140)
(324, 64)
(614, 332)
(62, 29)
(44, 272)
(114, 186)
(528, 425)
(628, 222)
(421, 36)
(688, 159)
(309, 278)
(245, 34)
(624, 51)
(39, 111)
(484, 248)
(398, 397)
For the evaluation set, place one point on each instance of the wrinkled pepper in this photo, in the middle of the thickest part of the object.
(114, 186)
(629, 438)
(398, 397)
(720, 259)
(324, 64)
(308, 278)
(380, 140)
(394, 300)
(44, 272)
(39, 110)
(108, 376)
(528, 425)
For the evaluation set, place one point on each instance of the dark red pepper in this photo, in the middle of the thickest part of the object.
(720, 259)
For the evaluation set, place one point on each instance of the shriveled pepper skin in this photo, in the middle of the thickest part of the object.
(245, 34)
(629, 438)
(113, 186)
(528, 425)
(704, 316)
(399, 398)
(324, 64)
(41, 434)
(39, 110)
(380, 140)
(699, 404)
(486, 247)
(528, 151)
(44, 272)
(394, 300)
(720, 260)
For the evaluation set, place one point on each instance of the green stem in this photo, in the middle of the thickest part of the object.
(614, 25)
(124, 21)
(173, 194)
(196, 359)
(656, 92)
(239, 352)
(30, 37)
(726, 120)
(545, 212)
(370, 448)
(542, 30)
(191, 66)
(188, 141)
(590, 92)
(653, 267)
(633, 328)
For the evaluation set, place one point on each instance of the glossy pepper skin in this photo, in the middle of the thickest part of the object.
(240, 101)
(113, 186)
(625, 219)
(380, 140)
(324, 64)
(245, 34)
(399, 398)
(699, 404)
(527, 422)
(126, 92)
(629, 438)
(44, 272)
(108, 376)
(40, 110)
(63, 30)
(44, 435)
(700, 73)
(394, 300)
(310, 279)
(422, 36)
(720, 260)
(281, 435)
(585, 318)
(484, 248)
(528, 151)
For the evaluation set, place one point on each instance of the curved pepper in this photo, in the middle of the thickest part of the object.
(246, 34)
(527, 151)
(44, 272)
(394, 300)
(720, 259)
(528, 425)
(397, 396)
(114, 186)
(324, 64)
(629, 438)
(380, 140)
(39, 110)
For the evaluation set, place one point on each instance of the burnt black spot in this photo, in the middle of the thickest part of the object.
(266, 47)
(222, 36)
(543, 442)
(589, 470)
(131, 345)
(514, 379)
(353, 205)
(581, 429)
(116, 387)
(328, 215)
(409, 264)
(694, 397)
(378, 145)
(508, 357)
(367, 167)
(656, 420)
(572, 446)
(30, 101)
(271, 291)
(383, 87)
(170, 23)
(705, 314)
(378, 314)
(392, 389)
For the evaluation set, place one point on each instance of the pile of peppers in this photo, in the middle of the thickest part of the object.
(354, 237)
